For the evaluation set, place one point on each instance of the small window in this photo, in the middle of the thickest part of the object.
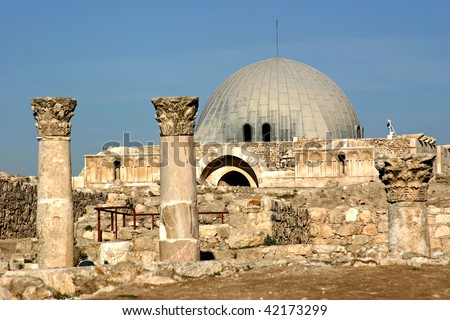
(247, 133)
(266, 132)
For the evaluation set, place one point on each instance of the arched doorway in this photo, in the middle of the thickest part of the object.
(231, 170)
(234, 178)
(266, 132)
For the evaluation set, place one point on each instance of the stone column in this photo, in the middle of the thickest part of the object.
(179, 227)
(54, 217)
(406, 179)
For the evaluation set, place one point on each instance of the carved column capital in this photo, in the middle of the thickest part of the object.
(176, 115)
(405, 176)
(53, 115)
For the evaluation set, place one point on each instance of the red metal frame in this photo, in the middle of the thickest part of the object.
(114, 212)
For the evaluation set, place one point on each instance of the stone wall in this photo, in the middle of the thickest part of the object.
(290, 225)
(439, 224)
(17, 207)
(18, 200)
(359, 231)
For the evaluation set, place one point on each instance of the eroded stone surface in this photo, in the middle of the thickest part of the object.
(176, 115)
(53, 115)
(405, 176)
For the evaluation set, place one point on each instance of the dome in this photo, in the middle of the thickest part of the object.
(276, 100)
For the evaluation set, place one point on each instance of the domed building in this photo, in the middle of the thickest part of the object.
(275, 123)
(277, 100)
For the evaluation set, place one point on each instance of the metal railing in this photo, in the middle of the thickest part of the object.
(129, 211)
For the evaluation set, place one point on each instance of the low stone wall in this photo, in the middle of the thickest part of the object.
(439, 224)
(18, 203)
(257, 217)
(362, 232)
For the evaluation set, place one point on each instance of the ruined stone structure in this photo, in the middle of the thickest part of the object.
(274, 123)
(406, 178)
(301, 163)
(54, 205)
(179, 228)
(18, 198)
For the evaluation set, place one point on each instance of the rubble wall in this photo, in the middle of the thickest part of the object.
(18, 203)
(290, 225)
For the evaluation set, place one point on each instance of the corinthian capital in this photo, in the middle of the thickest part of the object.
(405, 176)
(176, 115)
(53, 115)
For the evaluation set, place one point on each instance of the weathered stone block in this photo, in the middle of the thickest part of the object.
(318, 214)
(329, 249)
(361, 239)
(244, 239)
(346, 230)
(435, 243)
(107, 235)
(314, 229)
(370, 230)
(181, 250)
(140, 208)
(336, 216)
(434, 210)
(5, 294)
(442, 231)
(351, 214)
(223, 231)
(365, 216)
(443, 218)
(125, 233)
(208, 231)
(379, 239)
(114, 252)
(445, 245)
(89, 235)
(320, 241)
(325, 231)
(301, 250)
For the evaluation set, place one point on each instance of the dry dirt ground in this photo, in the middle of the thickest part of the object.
(296, 282)
(300, 282)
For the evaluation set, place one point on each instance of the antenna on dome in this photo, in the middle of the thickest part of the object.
(277, 36)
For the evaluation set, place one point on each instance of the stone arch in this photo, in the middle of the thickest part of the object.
(221, 160)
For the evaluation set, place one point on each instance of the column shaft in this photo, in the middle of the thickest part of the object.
(408, 229)
(54, 220)
(179, 226)
(179, 239)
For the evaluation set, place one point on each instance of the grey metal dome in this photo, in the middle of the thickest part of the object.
(275, 100)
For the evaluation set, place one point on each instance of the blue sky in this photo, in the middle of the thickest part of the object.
(391, 58)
